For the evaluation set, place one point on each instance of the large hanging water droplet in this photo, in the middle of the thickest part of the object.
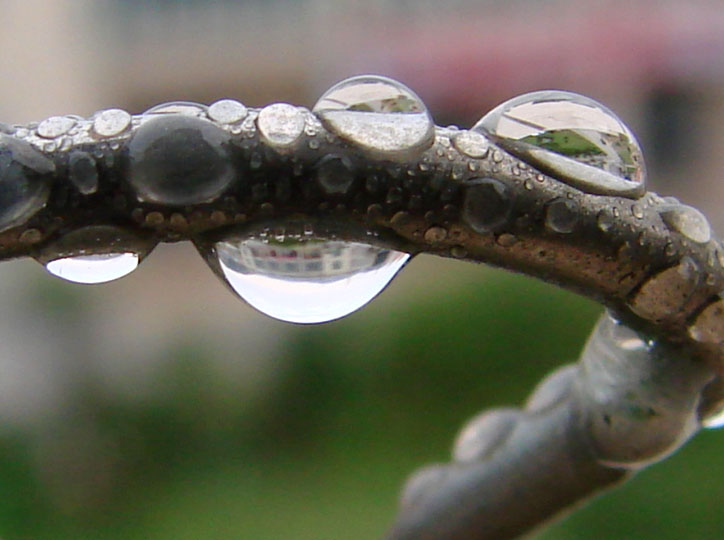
(571, 137)
(90, 269)
(179, 160)
(24, 181)
(95, 254)
(303, 278)
(380, 115)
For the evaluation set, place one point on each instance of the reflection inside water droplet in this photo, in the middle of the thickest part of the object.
(304, 279)
(381, 115)
(572, 137)
(89, 269)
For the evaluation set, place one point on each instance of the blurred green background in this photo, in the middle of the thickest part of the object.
(161, 407)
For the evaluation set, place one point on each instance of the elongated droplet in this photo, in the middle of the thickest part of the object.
(306, 279)
(187, 108)
(639, 400)
(571, 137)
(89, 269)
(380, 115)
(24, 181)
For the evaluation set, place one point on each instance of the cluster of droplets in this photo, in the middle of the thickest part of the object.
(182, 154)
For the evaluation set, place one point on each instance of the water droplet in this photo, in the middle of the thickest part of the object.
(434, 235)
(186, 108)
(305, 279)
(572, 137)
(687, 221)
(280, 125)
(484, 434)
(227, 111)
(472, 144)
(487, 205)
(605, 220)
(561, 216)
(421, 483)
(638, 399)
(55, 126)
(111, 122)
(637, 211)
(95, 254)
(179, 160)
(90, 269)
(709, 324)
(553, 389)
(334, 174)
(506, 240)
(82, 172)
(382, 116)
(666, 292)
(24, 181)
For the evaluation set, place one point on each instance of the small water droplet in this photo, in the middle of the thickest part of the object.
(561, 216)
(334, 174)
(484, 434)
(605, 220)
(380, 115)
(506, 240)
(487, 204)
(90, 269)
(31, 236)
(305, 279)
(186, 108)
(55, 126)
(472, 144)
(666, 292)
(24, 181)
(637, 211)
(82, 172)
(179, 160)
(571, 137)
(154, 218)
(111, 122)
(687, 221)
(434, 235)
(280, 125)
(227, 111)
(709, 324)
(314, 144)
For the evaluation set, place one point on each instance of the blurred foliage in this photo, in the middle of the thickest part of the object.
(356, 406)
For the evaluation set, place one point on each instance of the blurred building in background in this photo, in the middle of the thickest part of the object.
(69, 352)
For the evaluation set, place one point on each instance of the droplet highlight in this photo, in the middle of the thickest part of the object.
(571, 137)
(303, 278)
(381, 116)
(91, 269)
(179, 160)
